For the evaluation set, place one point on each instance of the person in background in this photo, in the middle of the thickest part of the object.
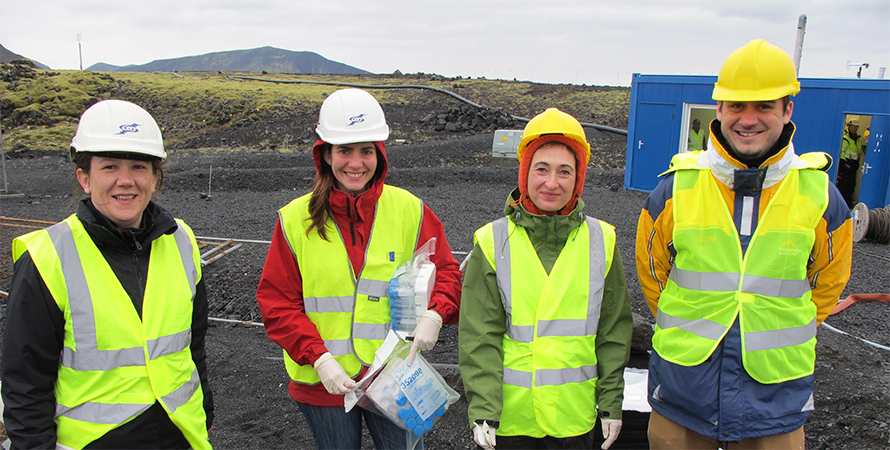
(107, 311)
(851, 153)
(324, 288)
(545, 325)
(696, 136)
(742, 251)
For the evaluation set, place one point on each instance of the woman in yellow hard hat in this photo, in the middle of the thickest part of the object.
(545, 322)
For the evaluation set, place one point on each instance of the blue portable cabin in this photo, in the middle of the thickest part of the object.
(662, 107)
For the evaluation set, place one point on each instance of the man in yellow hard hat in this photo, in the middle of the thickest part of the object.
(696, 136)
(742, 251)
(851, 154)
(545, 322)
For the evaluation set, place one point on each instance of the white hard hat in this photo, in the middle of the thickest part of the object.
(351, 115)
(118, 126)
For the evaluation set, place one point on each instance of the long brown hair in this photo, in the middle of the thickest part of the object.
(323, 184)
(319, 201)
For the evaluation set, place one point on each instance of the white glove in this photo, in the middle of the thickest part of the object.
(484, 435)
(426, 333)
(333, 376)
(611, 428)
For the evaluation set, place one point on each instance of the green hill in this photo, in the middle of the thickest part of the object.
(209, 110)
(268, 59)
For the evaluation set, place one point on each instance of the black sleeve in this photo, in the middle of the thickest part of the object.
(199, 356)
(32, 343)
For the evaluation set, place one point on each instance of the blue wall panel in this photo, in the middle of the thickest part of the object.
(657, 103)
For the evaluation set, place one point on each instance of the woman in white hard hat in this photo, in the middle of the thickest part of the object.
(107, 312)
(332, 255)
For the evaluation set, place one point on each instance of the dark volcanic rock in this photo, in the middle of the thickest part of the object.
(465, 188)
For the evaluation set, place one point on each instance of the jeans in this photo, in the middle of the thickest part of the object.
(333, 428)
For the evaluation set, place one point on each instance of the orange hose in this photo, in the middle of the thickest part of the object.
(845, 303)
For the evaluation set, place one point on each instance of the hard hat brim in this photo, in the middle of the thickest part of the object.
(723, 94)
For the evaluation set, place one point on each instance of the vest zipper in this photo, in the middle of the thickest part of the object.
(349, 206)
(141, 284)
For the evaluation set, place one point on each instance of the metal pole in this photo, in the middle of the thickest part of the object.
(79, 50)
(798, 44)
(3, 162)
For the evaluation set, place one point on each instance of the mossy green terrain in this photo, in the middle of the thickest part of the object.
(40, 109)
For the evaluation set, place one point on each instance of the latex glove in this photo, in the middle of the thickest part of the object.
(333, 376)
(484, 435)
(611, 428)
(426, 333)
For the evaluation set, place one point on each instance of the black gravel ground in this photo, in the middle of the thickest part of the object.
(466, 189)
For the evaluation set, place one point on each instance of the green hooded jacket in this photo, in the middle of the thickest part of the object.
(483, 320)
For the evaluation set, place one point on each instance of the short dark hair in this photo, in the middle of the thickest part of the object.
(786, 100)
(84, 160)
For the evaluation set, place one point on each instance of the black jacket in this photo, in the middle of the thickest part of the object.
(33, 339)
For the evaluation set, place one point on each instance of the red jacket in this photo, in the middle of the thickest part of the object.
(280, 291)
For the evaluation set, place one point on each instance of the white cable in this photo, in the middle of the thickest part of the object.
(206, 238)
(873, 344)
(240, 322)
(250, 241)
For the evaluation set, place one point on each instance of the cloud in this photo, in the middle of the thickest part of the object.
(574, 41)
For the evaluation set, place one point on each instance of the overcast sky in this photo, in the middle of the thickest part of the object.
(552, 41)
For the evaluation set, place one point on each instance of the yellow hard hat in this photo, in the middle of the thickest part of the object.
(759, 71)
(553, 121)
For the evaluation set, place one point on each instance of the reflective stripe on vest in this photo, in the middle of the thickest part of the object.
(117, 414)
(850, 148)
(564, 327)
(767, 288)
(99, 388)
(543, 394)
(351, 313)
(88, 357)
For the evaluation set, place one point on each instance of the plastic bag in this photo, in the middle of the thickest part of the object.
(413, 397)
(410, 289)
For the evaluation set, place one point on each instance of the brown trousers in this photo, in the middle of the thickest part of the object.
(665, 434)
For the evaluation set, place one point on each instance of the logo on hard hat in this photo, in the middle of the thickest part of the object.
(356, 119)
(132, 128)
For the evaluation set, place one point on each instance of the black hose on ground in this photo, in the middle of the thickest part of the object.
(418, 86)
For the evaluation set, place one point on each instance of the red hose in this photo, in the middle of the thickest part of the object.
(843, 304)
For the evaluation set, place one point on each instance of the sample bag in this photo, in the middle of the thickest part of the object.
(410, 289)
(413, 397)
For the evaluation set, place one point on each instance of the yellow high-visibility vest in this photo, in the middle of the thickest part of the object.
(550, 370)
(351, 312)
(851, 148)
(113, 365)
(696, 139)
(712, 283)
